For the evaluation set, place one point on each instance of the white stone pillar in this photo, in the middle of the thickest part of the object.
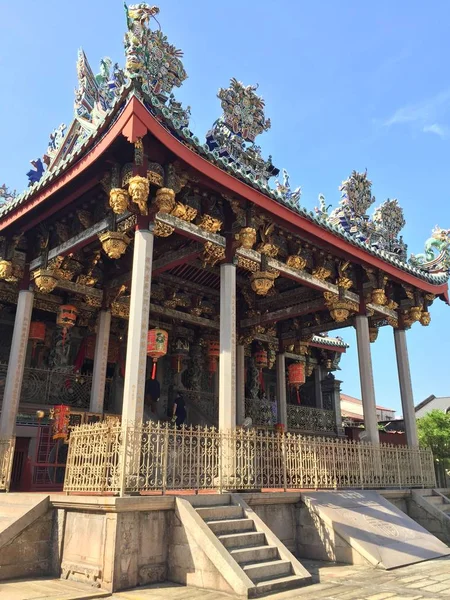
(16, 364)
(227, 361)
(337, 406)
(100, 362)
(406, 392)
(240, 384)
(281, 390)
(136, 360)
(318, 386)
(366, 378)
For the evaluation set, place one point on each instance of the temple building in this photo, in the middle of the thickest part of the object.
(136, 241)
(168, 319)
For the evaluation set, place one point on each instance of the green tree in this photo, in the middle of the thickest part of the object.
(434, 433)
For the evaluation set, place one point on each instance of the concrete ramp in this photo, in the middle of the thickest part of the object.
(375, 528)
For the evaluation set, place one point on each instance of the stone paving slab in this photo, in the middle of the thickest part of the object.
(424, 581)
(48, 588)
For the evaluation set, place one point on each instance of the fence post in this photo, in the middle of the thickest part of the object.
(398, 467)
(220, 434)
(316, 482)
(283, 452)
(123, 460)
(105, 457)
(361, 478)
(165, 458)
(10, 454)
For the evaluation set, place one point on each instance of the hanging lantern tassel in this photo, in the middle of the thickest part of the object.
(157, 340)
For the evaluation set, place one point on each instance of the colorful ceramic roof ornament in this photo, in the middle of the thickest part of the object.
(379, 232)
(284, 189)
(233, 134)
(436, 258)
(149, 56)
(6, 195)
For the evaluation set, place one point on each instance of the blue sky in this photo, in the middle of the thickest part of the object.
(348, 85)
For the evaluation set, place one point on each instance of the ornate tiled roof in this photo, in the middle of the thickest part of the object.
(153, 68)
(335, 342)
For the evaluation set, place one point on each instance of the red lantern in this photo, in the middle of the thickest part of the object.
(66, 318)
(60, 415)
(213, 347)
(36, 335)
(157, 340)
(37, 331)
(261, 363)
(296, 376)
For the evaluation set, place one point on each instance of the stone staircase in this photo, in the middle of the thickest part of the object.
(440, 502)
(263, 558)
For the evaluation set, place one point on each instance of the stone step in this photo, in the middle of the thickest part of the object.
(435, 499)
(231, 526)
(277, 585)
(268, 570)
(242, 540)
(254, 554)
(445, 507)
(205, 500)
(220, 513)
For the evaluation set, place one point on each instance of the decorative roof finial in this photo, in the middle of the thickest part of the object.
(242, 120)
(149, 56)
(243, 110)
(6, 195)
(292, 197)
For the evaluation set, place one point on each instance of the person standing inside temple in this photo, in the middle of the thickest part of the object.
(179, 410)
(152, 394)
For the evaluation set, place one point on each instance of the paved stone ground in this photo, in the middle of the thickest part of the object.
(344, 582)
(423, 581)
(48, 588)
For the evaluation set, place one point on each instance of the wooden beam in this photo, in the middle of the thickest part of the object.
(78, 288)
(75, 243)
(181, 316)
(282, 314)
(189, 285)
(176, 258)
(190, 230)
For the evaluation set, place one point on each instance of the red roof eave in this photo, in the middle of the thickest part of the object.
(133, 122)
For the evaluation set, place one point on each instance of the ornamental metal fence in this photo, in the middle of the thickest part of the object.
(6, 461)
(110, 458)
(55, 386)
(308, 418)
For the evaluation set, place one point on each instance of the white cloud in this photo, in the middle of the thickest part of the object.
(423, 114)
(437, 129)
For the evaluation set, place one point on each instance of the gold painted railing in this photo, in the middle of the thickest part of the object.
(112, 458)
(6, 460)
